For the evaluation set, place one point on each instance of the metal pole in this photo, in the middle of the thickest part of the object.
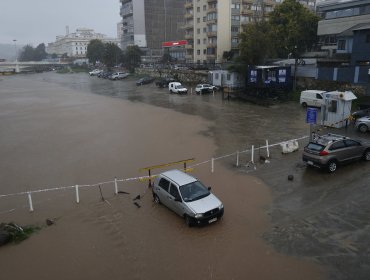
(77, 194)
(252, 159)
(237, 158)
(212, 165)
(267, 148)
(115, 186)
(30, 202)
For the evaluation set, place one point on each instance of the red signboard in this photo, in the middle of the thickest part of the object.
(174, 43)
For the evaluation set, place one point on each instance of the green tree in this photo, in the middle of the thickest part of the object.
(293, 27)
(255, 43)
(39, 53)
(95, 51)
(27, 53)
(112, 54)
(132, 57)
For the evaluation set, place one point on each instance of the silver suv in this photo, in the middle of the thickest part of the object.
(187, 197)
(327, 151)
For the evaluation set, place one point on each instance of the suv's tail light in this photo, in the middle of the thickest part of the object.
(323, 153)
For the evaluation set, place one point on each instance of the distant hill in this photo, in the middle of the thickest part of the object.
(7, 51)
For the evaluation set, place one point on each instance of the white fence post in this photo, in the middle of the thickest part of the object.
(77, 194)
(267, 149)
(252, 159)
(115, 186)
(237, 158)
(30, 202)
(212, 165)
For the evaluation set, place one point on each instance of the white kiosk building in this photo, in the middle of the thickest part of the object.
(337, 108)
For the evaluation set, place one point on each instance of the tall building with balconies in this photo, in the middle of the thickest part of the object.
(212, 27)
(149, 23)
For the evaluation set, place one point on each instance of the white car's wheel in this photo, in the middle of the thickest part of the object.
(363, 128)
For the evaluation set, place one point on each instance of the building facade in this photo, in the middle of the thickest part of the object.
(344, 33)
(149, 23)
(339, 17)
(75, 44)
(212, 27)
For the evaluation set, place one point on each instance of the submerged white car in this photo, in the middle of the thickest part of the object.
(187, 197)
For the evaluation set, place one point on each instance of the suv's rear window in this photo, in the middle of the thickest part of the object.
(315, 147)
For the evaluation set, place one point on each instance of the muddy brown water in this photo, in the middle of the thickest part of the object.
(55, 133)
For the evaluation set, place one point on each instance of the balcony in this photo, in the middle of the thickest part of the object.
(212, 34)
(127, 14)
(189, 15)
(211, 45)
(189, 47)
(211, 1)
(211, 21)
(211, 56)
(247, 12)
(188, 4)
(212, 10)
(189, 26)
(189, 36)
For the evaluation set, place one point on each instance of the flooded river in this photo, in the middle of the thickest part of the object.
(63, 130)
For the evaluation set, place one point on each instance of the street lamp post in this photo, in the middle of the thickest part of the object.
(15, 48)
(16, 56)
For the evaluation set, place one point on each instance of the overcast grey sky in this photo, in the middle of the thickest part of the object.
(40, 21)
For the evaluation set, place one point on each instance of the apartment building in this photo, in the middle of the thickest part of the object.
(212, 27)
(149, 23)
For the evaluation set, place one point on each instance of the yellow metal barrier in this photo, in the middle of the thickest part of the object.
(184, 162)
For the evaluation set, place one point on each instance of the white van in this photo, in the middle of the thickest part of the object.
(176, 87)
(312, 98)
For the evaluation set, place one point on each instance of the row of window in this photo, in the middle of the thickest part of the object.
(355, 11)
(208, 51)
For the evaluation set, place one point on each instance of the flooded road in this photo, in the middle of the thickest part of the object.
(55, 132)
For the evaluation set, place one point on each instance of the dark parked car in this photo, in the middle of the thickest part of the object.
(105, 74)
(144, 80)
(164, 82)
(361, 113)
(327, 151)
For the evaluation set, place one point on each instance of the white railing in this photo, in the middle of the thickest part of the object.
(115, 182)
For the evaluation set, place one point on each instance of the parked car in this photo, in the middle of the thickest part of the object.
(176, 87)
(105, 74)
(363, 124)
(187, 197)
(312, 98)
(204, 88)
(144, 80)
(118, 76)
(163, 82)
(95, 72)
(330, 150)
(361, 113)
